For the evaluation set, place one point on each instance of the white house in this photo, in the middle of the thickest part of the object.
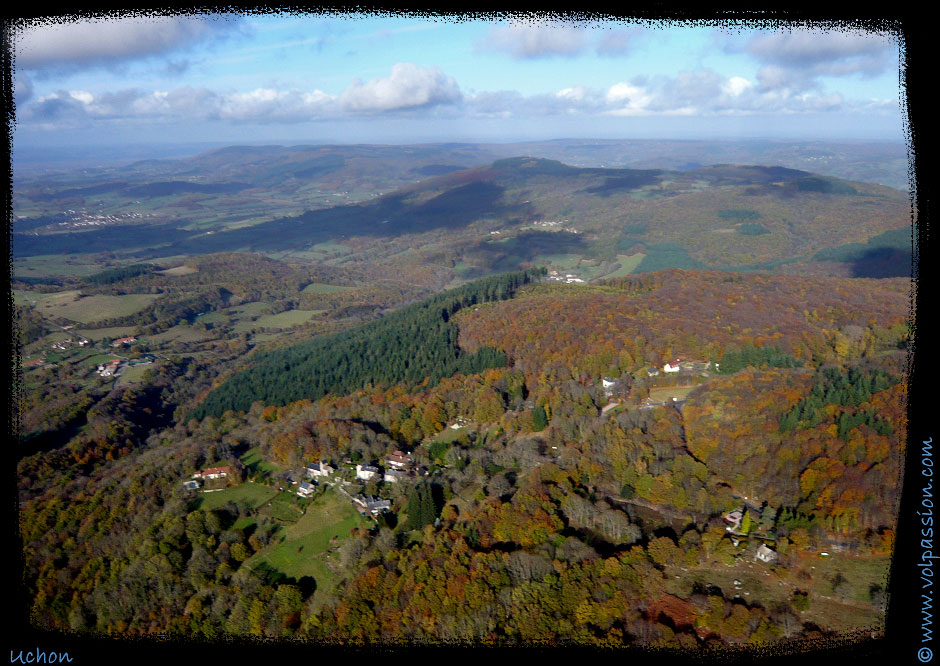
(765, 554)
(216, 472)
(671, 368)
(305, 489)
(319, 469)
(394, 475)
(366, 472)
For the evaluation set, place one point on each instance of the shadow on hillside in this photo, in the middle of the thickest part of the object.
(389, 217)
(883, 262)
(631, 180)
(101, 240)
(510, 254)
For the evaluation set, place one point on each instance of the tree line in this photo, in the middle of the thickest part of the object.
(407, 346)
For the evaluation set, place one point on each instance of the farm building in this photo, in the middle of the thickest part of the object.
(765, 554)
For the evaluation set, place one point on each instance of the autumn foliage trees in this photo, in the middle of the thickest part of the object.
(541, 519)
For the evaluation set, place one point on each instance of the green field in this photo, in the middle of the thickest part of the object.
(131, 375)
(96, 359)
(241, 313)
(306, 542)
(850, 607)
(253, 461)
(669, 392)
(248, 494)
(859, 573)
(320, 288)
(627, 263)
(449, 435)
(845, 610)
(280, 320)
(317, 252)
(285, 507)
(44, 300)
(181, 333)
(179, 270)
(96, 334)
(57, 335)
(53, 265)
(69, 305)
(561, 262)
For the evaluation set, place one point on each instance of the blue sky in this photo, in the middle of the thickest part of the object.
(243, 78)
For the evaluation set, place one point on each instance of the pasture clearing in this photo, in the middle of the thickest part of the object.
(247, 494)
(284, 507)
(321, 288)
(96, 334)
(132, 375)
(179, 270)
(628, 264)
(70, 305)
(181, 333)
(306, 545)
(49, 265)
(285, 319)
(667, 393)
(255, 463)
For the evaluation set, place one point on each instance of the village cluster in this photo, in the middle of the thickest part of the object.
(549, 224)
(396, 467)
(735, 527)
(107, 369)
(69, 342)
(568, 278)
(86, 219)
(681, 364)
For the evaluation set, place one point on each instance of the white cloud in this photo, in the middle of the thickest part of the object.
(735, 86)
(702, 93)
(577, 94)
(794, 61)
(525, 40)
(808, 48)
(22, 89)
(108, 41)
(616, 42)
(408, 86)
(277, 105)
(82, 96)
(772, 77)
(625, 99)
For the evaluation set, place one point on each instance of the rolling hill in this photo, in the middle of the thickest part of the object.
(522, 211)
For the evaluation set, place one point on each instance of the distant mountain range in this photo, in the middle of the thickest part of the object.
(509, 214)
(885, 163)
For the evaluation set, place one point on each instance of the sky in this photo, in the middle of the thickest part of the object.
(394, 79)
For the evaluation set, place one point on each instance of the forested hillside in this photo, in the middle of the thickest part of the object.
(567, 488)
(415, 343)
